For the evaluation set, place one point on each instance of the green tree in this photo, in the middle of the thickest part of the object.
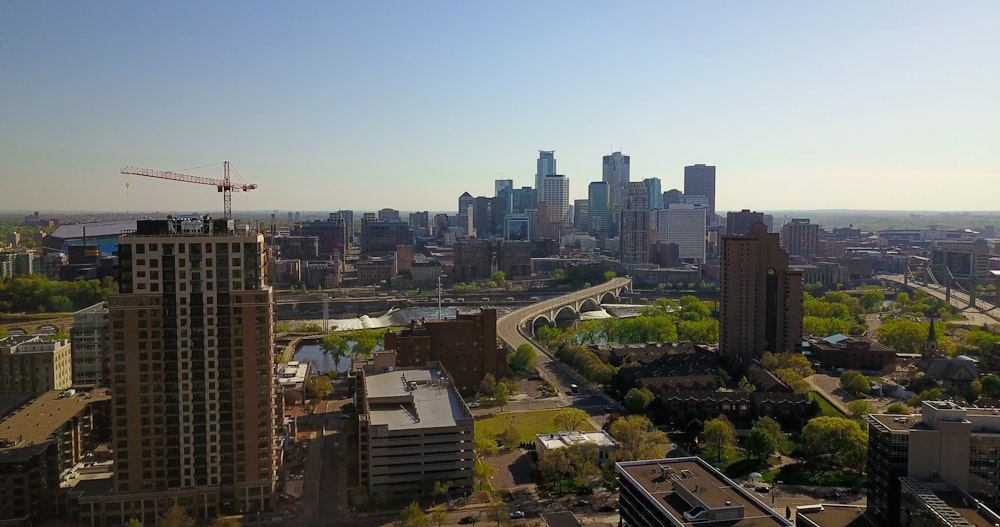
(336, 347)
(837, 441)
(502, 395)
(793, 379)
(175, 516)
(721, 434)
(760, 444)
(227, 521)
(439, 515)
(441, 488)
(609, 276)
(897, 409)
(483, 471)
(365, 341)
(637, 438)
(636, 400)
(793, 361)
(872, 300)
(855, 383)
(486, 444)
(499, 277)
(523, 358)
(497, 511)
(746, 386)
(906, 336)
(133, 522)
(859, 408)
(569, 419)
(774, 430)
(488, 385)
(558, 274)
(991, 385)
(318, 386)
(411, 516)
(573, 464)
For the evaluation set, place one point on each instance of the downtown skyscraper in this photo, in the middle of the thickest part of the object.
(615, 172)
(545, 166)
(634, 230)
(194, 404)
(699, 180)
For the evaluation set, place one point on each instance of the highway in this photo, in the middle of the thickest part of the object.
(510, 329)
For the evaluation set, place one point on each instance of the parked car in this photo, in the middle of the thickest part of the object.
(474, 405)
(467, 520)
(580, 503)
(517, 514)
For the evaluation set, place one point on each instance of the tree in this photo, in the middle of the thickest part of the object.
(774, 430)
(336, 347)
(439, 515)
(483, 471)
(523, 358)
(746, 386)
(133, 522)
(609, 276)
(365, 341)
(793, 361)
(872, 300)
(897, 409)
(836, 440)
(720, 433)
(175, 516)
(637, 438)
(759, 443)
(991, 385)
(318, 386)
(441, 488)
(859, 408)
(574, 464)
(497, 511)
(793, 379)
(855, 383)
(411, 516)
(499, 277)
(488, 385)
(636, 400)
(568, 419)
(558, 274)
(227, 521)
(502, 395)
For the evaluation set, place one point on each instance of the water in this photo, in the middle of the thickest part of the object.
(319, 361)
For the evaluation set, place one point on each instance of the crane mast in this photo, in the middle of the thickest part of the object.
(224, 185)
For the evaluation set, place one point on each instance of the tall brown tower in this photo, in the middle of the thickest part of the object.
(761, 298)
(193, 392)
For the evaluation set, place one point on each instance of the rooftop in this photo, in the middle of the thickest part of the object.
(677, 486)
(561, 439)
(413, 399)
(292, 373)
(835, 515)
(37, 421)
(954, 507)
(107, 228)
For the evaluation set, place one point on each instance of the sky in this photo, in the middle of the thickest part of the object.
(326, 105)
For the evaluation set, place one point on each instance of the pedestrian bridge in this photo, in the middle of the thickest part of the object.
(565, 307)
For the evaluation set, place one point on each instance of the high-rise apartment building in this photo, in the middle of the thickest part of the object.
(545, 166)
(799, 237)
(388, 214)
(699, 180)
(555, 194)
(655, 194)
(760, 297)
(634, 231)
(684, 225)
(192, 380)
(600, 211)
(331, 232)
(420, 223)
(740, 222)
(90, 345)
(615, 172)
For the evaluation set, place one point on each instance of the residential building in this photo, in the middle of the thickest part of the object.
(302, 247)
(35, 364)
(799, 237)
(380, 238)
(325, 274)
(331, 234)
(376, 271)
(42, 446)
(760, 296)
(194, 398)
(600, 211)
(545, 443)
(684, 225)
(413, 428)
(420, 223)
(466, 346)
(479, 259)
(683, 491)
(554, 192)
(740, 222)
(90, 346)
(388, 214)
(545, 166)
(699, 180)
(634, 230)
(655, 195)
(945, 443)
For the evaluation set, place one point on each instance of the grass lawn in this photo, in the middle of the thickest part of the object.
(825, 408)
(806, 474)
(527, 424)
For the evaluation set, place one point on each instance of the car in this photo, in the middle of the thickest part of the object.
(467, 520)
(517, 514)
(606, 508)
(581, 503)
(474, 405)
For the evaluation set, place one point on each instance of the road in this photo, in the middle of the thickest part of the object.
(983, 313)
(510, 329)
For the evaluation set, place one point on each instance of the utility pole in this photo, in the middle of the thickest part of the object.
(440, 289)
(326, 313)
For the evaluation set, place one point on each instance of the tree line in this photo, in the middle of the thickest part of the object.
(38, 294)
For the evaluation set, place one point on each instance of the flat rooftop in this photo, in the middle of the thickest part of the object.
(838, 516)
(561, 439)
(898, 422)
(37, 421)
(414, 399)
(659, 478)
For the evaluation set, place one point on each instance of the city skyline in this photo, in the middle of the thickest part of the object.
(838, 106)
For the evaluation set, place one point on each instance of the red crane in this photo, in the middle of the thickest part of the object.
(224, 185)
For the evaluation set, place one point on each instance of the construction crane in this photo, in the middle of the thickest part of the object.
(224, 185)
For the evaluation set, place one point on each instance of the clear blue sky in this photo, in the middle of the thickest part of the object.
(329, 105)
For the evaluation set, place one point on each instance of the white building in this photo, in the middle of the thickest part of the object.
(684, 225)
(603, 440)
(555, 194)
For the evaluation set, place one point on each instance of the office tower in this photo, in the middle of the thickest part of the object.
(800, 238)
(522, 199)
(615, 172)
(555, 194)
(699, 180)
(634, 231)
(760, 297)
(193, 390)
(581, 215)
(685, 226)
(464, 202)
(740, 222)
(502, 185)
(420, 223)
(672, 196)
(380, 238)
(483, 216)
(516, 227)
(413, 428)
(348, 216)
(90, 346)
(331, 232)
(546, 166)
(944, 444)
(388, 214)
(655, 194)
(600, 212)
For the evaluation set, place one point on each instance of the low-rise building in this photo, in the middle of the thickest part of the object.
(413, 428)
(605, 444)
(375, 271)
(851, 353)
(291, 379)
(35, 364)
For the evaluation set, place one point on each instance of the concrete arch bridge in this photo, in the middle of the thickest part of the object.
(565, 307)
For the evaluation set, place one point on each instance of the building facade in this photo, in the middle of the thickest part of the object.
(35, 364)
(615, 169)
(699, 180)
(545, 166)
(684, 225)
(634, 231)
(740, 222)
(555, 194)
(800, 238)
(760, 297)
(91, 349)
(600, 211)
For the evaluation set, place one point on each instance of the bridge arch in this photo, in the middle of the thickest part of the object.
(539, 321)
(566, 313)
(609, 297)
(590, 304)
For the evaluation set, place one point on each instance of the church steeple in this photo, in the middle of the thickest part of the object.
(930, 346)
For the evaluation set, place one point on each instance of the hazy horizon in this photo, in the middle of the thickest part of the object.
(880, 105)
